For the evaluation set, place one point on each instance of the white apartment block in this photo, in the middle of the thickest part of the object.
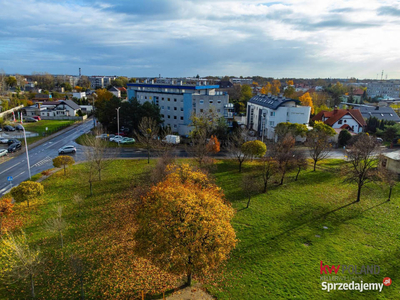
(100, 82)
(178, 102)
(385, 88)
(264, 112)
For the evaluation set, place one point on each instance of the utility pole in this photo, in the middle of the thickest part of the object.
(27, 154)
(118, 121)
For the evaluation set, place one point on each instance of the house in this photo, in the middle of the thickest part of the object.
(380, 112)
(177, 102)
(42, 97)
(79, 95)
(355, 96)
(225, 84)
(350, 119)
(264, 112)
(115, 91)
(392, 161)
(51, 110)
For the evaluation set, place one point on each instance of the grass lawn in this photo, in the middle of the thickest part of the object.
(52, 126)
(282, 238)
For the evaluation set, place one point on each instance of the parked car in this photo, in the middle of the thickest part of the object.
(379, 140)
(14, 147)
(13, 141)
(37, 118)
(121, 134)
(67, 149)
(102, 136)
(19, 127)
(29, 119)
(116, 138)
(127, 140)
(3, 152)
(172, 139)
(4, 140)
(9, 128)
(124, 129)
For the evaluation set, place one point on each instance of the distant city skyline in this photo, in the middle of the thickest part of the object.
(145, 38)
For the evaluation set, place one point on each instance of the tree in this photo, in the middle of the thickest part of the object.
(306, 100)
(57, 224)
(387, 176)
(289, 91)
(266, 89)
(148, 134)
(63, 161)
(11, 81)
(236, 141)
(254, 149)
(213, 145)
(300, 162)
(246, 93)
(318, 141)
(6, 206)
(268, 168)
(362, 162)
(19, 260)
(183, 224)
(78, 201)
(282, 153)
(250, 186)
(79, 268)
(294, 129)
(391, 132)
(27, 191)
(275, 88)
(344, 137)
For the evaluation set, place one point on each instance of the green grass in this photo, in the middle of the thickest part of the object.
(52, 126)
(278, 253)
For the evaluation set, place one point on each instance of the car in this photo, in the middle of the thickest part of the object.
(116, 138)
(4, 140)
(67, 149)
(102, 136)
(127, 140)
(9, 128)
(121, 134)
(3, 152)
(13, 141)
(19, 127)
(14, 147)
(379, 140)
(29, 119)
(37, 118)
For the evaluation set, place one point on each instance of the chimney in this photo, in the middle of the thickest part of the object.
(152, 81)
(38, 106)
(335, 110)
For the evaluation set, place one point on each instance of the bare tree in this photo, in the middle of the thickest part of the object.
(300, 162)
(250, 186)
(318, 142)
(148, 135)
(282, 153)
(267, 167)
(362, 165)
(78, 200)
(57, 224)
(389, 177)
(79, 269)
(22, 261)
(198, 147)
(159, 172)
(236, 141)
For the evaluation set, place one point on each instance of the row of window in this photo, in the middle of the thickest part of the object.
(210, 101)
(169, 117)
(157, 98)
(202, 110)
(169, 108)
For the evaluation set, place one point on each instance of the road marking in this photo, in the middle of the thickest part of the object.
(19, 174)
(11, 167)
(42, 162)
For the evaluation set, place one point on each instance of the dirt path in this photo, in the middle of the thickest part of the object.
(190, 293)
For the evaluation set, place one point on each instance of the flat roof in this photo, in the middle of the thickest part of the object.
(393, 155)
(175, 86)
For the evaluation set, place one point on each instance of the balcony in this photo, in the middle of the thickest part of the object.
(228, 115)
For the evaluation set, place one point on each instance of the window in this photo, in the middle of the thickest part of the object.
(345, 121)
(201, 110)
(219, 101)
(391, 115)
(169, 117)
(272, 114)
(271, 123)
(181, 108)
(175, 108)
(169, 99)
(382, 115)
(174, 99)
(340, 122)
(162, 98)
(181, 118)
(175, 126)
(162, 115)
(174, 117)
(169, 108)
(201, 101)
(145, 97)
(162, 107)
(210, 101)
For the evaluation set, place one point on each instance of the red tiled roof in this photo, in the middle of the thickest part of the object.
(358, 92)
(122, 89)
(337, 114)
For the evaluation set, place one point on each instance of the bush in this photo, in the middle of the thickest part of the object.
(26, 191)
(344, 137)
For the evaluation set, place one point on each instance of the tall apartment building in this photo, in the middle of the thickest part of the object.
(178, 102)
(100, 82)
(385, 88)
(264, 112)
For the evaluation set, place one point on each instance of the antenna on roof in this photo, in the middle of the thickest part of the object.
(80, 74)
(382, 75)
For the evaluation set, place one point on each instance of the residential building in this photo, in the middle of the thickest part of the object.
(179, 101)
(350, 119)
(248, 81)
(264, 112)
(385, 88)
(115, 91)
(100, 82)
(354, 97)
(79, 95)
(380, 112)
(53, 109)
(391, 161)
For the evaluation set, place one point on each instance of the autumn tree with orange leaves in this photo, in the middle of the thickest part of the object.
(213, 145)
(306, 100)
(6, 206)
(184, 224)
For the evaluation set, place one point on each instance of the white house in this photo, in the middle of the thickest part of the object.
(79, 95)
(115, 91)
(58, 109)
(391, 161)
(350, 119)
(264, 112)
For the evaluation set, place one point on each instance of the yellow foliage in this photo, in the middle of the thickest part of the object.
(306, 100)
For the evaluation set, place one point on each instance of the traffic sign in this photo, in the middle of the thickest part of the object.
(9, 178)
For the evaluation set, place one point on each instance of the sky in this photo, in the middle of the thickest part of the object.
(174, 38)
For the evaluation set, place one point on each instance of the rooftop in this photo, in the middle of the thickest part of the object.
(174, 86)
(272, 102)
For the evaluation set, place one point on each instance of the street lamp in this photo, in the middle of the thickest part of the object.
(117, 109)
(27, 154)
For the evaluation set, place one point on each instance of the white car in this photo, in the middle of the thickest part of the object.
(116, 138)
(67, 149)
(3, 152)
(102, 136)
(3, 140)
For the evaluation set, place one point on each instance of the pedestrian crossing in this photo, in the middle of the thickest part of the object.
(42, 162)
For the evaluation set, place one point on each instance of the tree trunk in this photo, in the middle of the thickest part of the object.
(315, 164)
(390, 194)
(32, 287)
(248, 202)
(148, 156)
(240, 166)
(282, 178)
(297, 175)
(189, 278)
(1, 223)
(91, 189)
(82, 290)
(65, 172)
(99, 175)
(265, 186)
(359, 193)
(62, 241)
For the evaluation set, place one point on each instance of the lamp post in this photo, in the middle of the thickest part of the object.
(117, 109)
(27, 154)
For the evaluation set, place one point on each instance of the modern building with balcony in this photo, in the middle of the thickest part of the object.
(179, 101)
(264, 112)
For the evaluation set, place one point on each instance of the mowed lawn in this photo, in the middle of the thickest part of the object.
(52, 126)
(282, 236)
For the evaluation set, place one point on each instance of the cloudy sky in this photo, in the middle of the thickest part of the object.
(290, 38)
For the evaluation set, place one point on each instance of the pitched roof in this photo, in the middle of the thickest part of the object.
(333, 116)
(113, 89)
(358, 92)
(379, 112)
(272, 102)
(122, 89)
